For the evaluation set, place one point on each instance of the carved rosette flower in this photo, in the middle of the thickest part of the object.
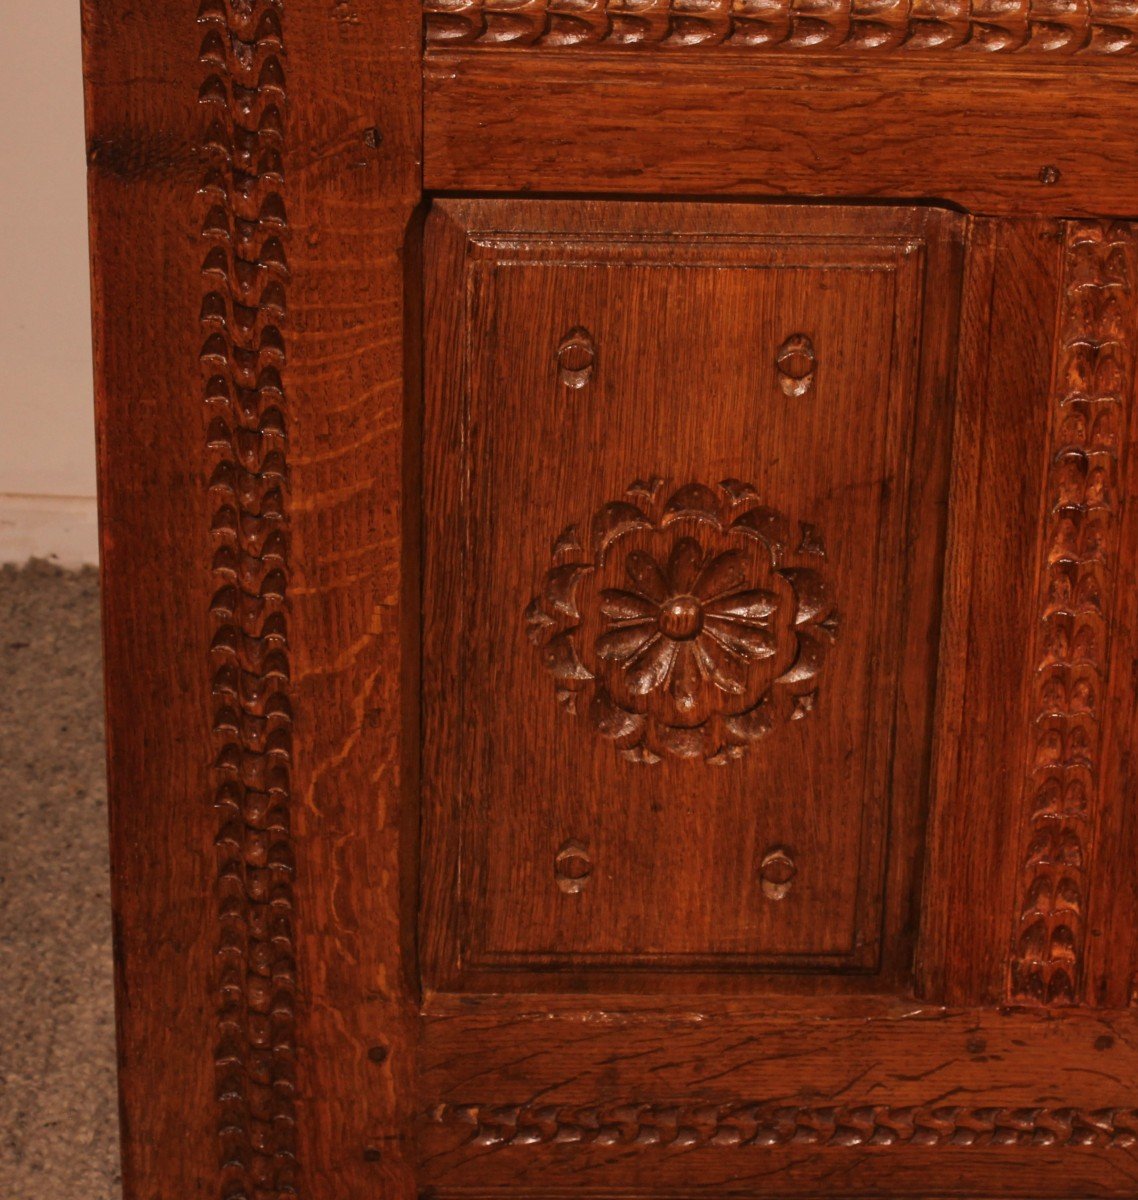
(689, 622)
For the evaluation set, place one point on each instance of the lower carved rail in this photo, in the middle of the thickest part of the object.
(697, 1125)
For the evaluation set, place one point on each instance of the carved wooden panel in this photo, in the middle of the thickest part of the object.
(1039, 26)
(244, 229)
(634, 695)
(674, 650)
(1093, 385)
(713, 628)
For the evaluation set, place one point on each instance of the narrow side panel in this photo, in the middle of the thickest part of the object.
(1003, 385)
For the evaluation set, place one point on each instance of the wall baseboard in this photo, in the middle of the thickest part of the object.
(64, 529)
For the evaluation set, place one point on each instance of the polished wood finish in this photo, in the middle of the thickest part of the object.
(252, 465)
(620, 587)
(885, 1098)
(990, 135)
(680, 620)
(1042, 28)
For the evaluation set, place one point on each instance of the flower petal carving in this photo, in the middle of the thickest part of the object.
(726, 573)
(693, 631)
(748, 608)
(614, 520)
(724, 670)
(646, 576)
(684, 566)
(740, 640)
(651, 668)
(560, 656)
(626, 641)
(625, 606)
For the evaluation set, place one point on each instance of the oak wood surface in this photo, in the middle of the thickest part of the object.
(254, 175)
(993, 136)
(155, 516)
(685, 309)
(617, 1097)
(355, 114)
(1003, 372)
(495, 948)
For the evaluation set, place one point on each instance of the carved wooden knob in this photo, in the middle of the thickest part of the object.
(572, 867)
(777, 872)
(796, 362)
(576, 358)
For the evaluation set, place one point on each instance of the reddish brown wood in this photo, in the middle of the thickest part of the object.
(883, 1099)
(1065, 803)
(1003, 370)
(254, 176)
(839, 901)
(156, 514)
(1090, 29)
(681, 623)
(355, 112)
(994, 135)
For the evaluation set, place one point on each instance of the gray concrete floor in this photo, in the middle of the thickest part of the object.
(58, 1117)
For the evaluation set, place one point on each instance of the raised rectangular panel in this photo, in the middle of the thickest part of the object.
(685, 472)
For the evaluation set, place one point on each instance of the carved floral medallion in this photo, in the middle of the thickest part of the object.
(688, 622)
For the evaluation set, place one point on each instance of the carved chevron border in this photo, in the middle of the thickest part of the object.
(1092, 382)
(1040, 26)
(243, 309)
(694, 1125)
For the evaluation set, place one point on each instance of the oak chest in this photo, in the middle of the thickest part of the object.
(620, 562)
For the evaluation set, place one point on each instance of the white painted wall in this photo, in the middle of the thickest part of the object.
(47, 438)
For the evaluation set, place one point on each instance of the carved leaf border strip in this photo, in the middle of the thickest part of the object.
(245, 275)
(694, 1125)
(1056, 27)
(1093, 376)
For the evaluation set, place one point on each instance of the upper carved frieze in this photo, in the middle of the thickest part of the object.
(1046, 26)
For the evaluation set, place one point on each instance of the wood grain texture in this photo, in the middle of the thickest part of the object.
(1029, 26)
(145, 161)
(1000, 138)
(1003, 385)
(846, 909)
(1092, 385)
(725, 680)
(260, 711)
(353, 379)
(802, 1101)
